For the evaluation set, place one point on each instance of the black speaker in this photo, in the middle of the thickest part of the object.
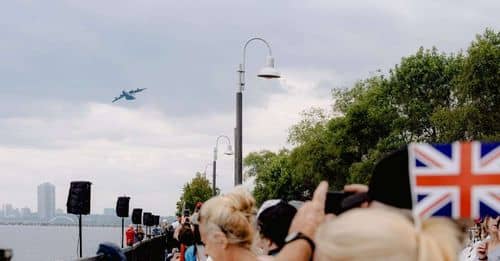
(146, 218)
(122, 206)
(152, 220)
(137, 216)
(79, 198)
(157, 221)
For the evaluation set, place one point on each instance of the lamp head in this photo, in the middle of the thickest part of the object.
(229, 150)
(269, 71)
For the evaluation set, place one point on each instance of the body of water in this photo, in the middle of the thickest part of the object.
(53, 243)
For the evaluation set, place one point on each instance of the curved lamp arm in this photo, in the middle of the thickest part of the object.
(206, 166)
(251, 40)
(217, 144)
(243, 64)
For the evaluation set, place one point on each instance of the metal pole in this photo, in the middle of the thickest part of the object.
(235, 150)
(238, 159)
(238, 139)
(214, 174)
(80, 232)
(122, 230)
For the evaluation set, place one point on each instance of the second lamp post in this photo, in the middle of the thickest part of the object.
(229, 151)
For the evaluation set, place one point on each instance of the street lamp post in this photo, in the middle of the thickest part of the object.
(205, 172)
(268, 72)
(229, 151)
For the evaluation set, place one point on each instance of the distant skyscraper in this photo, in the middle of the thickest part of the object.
(25, 212)
(109, 211)
(46, 201)
(9, 211)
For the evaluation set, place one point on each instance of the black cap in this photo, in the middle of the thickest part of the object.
(275, 220)
(390, 182)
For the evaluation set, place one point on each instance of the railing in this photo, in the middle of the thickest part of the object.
(147, 250)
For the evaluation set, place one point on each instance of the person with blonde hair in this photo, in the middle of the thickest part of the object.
(379, 234)
(227, 226)
(489, 248)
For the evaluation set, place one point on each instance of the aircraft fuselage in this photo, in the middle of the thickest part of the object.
(128, 96)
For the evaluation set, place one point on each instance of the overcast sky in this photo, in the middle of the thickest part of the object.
(62, 62)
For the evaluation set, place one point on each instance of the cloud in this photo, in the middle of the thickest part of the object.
(141, 152)
(63, 61)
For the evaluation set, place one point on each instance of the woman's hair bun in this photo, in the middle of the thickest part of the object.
(242, 201)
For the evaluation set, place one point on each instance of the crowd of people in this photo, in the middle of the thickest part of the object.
(230, 227)
(136, 234)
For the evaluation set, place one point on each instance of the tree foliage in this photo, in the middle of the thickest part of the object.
(429, 96)
(197, 190)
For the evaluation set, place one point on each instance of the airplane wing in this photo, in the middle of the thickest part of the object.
(137, 90)
(119, 97)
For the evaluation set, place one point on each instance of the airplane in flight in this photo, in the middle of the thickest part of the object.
(128, 95)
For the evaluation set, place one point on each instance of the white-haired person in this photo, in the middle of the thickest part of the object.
(375, 233)
(378, 234)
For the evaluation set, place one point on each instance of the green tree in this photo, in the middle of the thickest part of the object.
(273, 179)
(476, 115)
(421, 85)
(197, 190)
(429, 97)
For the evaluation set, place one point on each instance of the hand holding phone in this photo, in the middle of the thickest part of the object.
(338, 202)
(333, 203)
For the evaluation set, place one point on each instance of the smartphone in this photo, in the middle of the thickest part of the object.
(334, 199)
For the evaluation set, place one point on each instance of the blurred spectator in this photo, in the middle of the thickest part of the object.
(273, 221)
(139, 234)
(186, 239)
(196, 252)
(469, 253)
(130, 236)
(177, 223)
(489, 248)
(156, 231)
(378, 234)
(171, 241)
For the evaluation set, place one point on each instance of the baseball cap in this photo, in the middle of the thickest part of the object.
(390, 182)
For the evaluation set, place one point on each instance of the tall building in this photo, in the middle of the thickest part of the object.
(9, 211)
(109, 212)
(46, 201)
(25, 212)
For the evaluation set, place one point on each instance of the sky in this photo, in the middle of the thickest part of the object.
(63, 61)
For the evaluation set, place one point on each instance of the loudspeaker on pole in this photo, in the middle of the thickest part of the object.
(137, 216)
(146, 219)
(122, 206)
(79, 198)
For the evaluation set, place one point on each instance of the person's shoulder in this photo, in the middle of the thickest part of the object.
(189, 254)
(495, 251)
(265, 258)
(190, 249)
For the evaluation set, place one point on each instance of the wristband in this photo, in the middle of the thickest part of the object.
(298, 235)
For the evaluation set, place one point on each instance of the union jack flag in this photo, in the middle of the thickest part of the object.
(461, 179)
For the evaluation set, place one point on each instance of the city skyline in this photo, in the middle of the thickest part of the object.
(45, 192)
